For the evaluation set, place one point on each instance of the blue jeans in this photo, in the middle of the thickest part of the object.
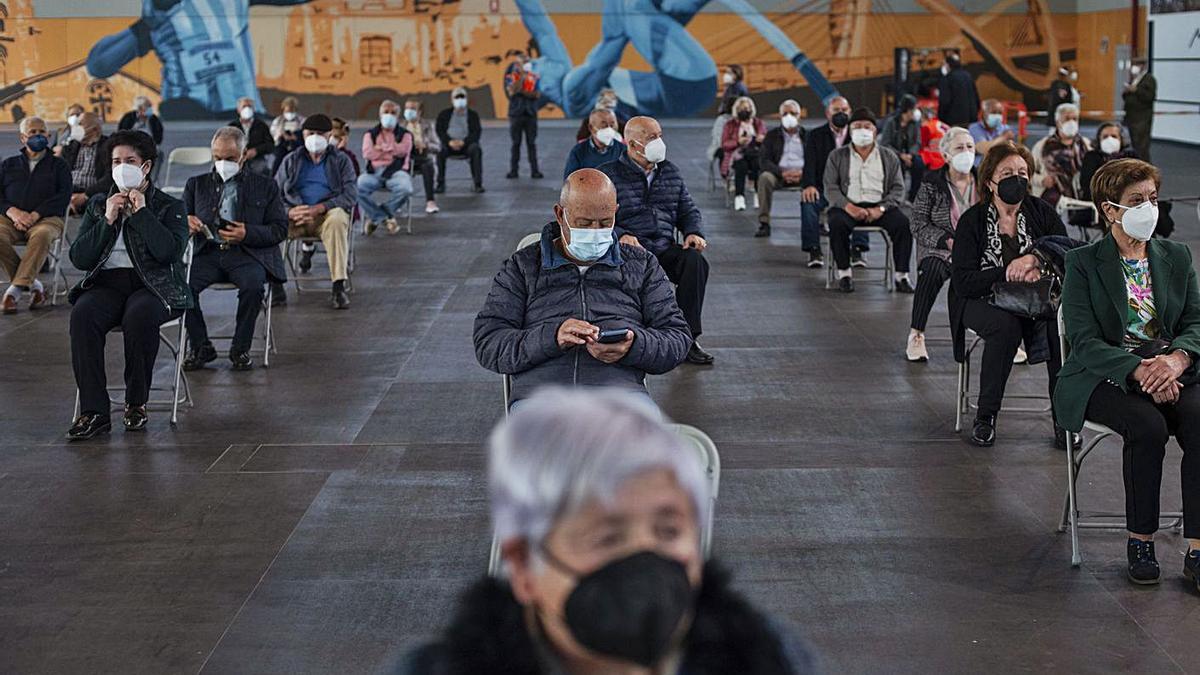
(399, 186)
(810, 227)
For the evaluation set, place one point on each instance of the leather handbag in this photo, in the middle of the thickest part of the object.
(1029, 299)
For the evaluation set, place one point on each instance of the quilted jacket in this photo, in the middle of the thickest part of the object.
(652, 212)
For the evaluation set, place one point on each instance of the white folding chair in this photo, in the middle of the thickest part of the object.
(710, 460)
(180, 392)
(966, 401)
(1095, 520)
(889, 266)
(291, 251)
(265, 335)
(192, 158)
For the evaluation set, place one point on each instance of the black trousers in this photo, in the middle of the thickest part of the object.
(474, 155)
(1146, 427)
(841, 226)
(527, 126)
(116, 298)
(916, 173)
(742, 167)
(1002, 333)
(423, 164)
(688, 270)
(932, 274)
(235, 266)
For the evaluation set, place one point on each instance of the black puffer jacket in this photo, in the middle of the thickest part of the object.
(652, 212)
(538, 288)
(155, 237)
(727, 637)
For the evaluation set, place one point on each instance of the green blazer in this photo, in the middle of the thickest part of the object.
(1095, 305)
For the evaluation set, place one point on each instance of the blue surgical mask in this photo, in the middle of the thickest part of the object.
(589, 244)
(994, 120)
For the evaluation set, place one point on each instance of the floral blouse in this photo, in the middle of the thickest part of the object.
(1141, 318)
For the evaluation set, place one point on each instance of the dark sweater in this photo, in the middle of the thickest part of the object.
(818, 145)
(585, 156)
(259, 139)
(156, 128)
(474, 130)
(46, 190)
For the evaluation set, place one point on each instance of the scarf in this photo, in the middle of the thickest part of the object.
(993, 255)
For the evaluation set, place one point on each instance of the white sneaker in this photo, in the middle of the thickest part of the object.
(1021, 356)
(916, 351)
(392, 226)
(739, 203)
(431, 207)
(755, 201)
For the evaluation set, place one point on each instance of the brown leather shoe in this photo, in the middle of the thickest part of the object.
(9, 304)
(37, 299)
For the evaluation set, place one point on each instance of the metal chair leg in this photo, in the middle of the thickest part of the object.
(1073, 511)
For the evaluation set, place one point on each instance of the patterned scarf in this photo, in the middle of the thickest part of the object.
(993, 255)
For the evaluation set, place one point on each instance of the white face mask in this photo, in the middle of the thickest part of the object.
(655, 151)
(77, 133)
(388, 120)
(1135, 70)
(862, 137)
(606, 136)
(789, 121)
(1110, 145)
(127, 176)
(727, 78)
(289, 116)
(316, 144)
(1139, 221)
(459, 103)
(72, 120)
(916, 114)
(1069, 128)
(411, 114)
(226, 169)
(963, 161)
(527, 67)
(246, 113)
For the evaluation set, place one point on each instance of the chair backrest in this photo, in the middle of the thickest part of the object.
(529, 239)
(188, 156)
(1063, 346)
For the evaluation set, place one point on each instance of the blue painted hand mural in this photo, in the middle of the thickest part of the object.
(204, 47)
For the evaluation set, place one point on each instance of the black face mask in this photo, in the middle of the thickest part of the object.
(629, 609)
(840, 120)
(743, 115)
(1012, 189)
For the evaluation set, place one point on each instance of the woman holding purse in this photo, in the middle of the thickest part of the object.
(1131, 308)
(994, 243)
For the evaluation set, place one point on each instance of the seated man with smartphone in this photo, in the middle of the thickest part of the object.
(237, 220)
(578, 308)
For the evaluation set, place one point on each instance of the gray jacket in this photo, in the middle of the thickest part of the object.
(343, 184)
(837, 177)
(538, 288)
(930, 222)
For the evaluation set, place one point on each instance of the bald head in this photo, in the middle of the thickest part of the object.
(640, 132)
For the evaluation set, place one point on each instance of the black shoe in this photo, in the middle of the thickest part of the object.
(196, 359)
(537, 174)
(696, 355)
(816, 259)
(306, 256)
(983, 433)
(1191, 567)
(440, 189)
(1060, 438)
(135, 418)
(764, 230)
(1143, 567)
(241, 360)
(511, 174)
(903, 286)
(88, 426)
(846, 285)
(856, 259)
(478, 189)
(340, 299)
(278, 294)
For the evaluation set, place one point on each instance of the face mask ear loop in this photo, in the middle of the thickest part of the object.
(557, 562)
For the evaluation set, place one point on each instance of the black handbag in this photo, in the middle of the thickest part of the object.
(1029, 299)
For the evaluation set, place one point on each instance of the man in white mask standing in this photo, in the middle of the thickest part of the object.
(864, 184)
(319, 190)
(237, 221)
(655, 204)
(259, 143)
(599, 314)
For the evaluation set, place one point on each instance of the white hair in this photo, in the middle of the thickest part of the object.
(1063, 109)
(234, 134)
(947, 139)
(140, 101)
(386, 102)
(563, 448)
(23, 126)
(790, 101)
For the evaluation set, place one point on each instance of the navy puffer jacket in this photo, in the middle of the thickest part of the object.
(652, 213)
(538, 288)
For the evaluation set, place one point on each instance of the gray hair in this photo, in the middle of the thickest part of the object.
(234, 134)
(140, 101)
(458, 90)
(545, 465)
(1063, 109)
(947, 139)
(23, 127)
(790, 101)
(386, 102)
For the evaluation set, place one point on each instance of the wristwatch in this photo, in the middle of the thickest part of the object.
(882, 208)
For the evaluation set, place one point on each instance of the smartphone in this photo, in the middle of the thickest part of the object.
(608, 337)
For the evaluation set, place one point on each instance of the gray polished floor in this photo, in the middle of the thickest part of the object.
(321, 515)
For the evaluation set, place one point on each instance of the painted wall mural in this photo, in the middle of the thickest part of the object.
(661, 56)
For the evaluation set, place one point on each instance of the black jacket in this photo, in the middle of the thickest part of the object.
(474, 130)
(398, 163)
(156, 127)
(818, 145)
(102, 169)
(728, 636)
(259, 206)
(155, 237)
(46, 190)
(652, 212)
(958, 99)
(259, 139)
(772, 150)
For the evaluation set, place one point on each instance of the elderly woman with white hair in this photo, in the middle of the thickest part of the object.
(1059, 157)
(943, 196)
(143, 119)
(599, 518)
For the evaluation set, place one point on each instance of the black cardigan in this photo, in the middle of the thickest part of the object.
(772, 150)
(474, 130)
(818, 145)
(259, 139)
(156, 128)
